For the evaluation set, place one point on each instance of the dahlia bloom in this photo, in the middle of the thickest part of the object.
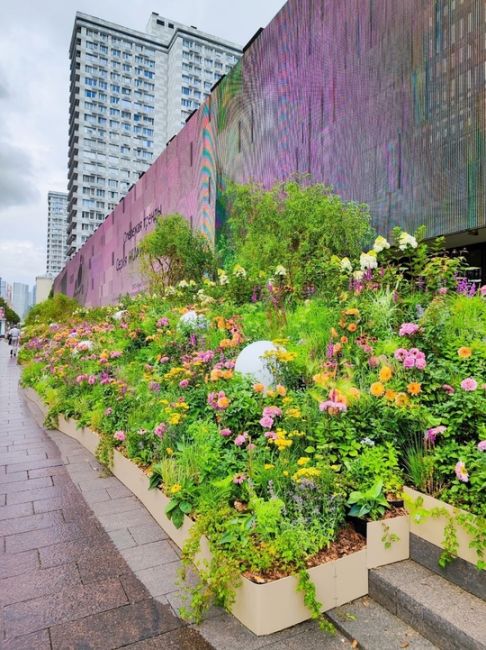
(469, 384)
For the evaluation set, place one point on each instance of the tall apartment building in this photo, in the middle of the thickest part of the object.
(130, 92)
(56, 232)
(21, 298)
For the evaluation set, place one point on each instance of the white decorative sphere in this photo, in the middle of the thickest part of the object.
(118, 315)
(193, 321)
(252, 363)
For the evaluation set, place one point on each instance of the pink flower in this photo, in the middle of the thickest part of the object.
(81, 378)
(408, 329)
(164, 359)
(400, 354)
(91, 380)
(119, 435)
(266, 422)
(160, 429)
(482, 290)
(420, 363)
(225, 433)
(184, 383)
(373, 362)
(409, 361)
(333, 407)
(163, 322)
(272, 411)
(461, 473)
(442, 291)
(448, 389)
(241, 439)
(115, 354)
(270, 435)
(482, 445)
(469, 384)
(142, 432)
(431, 434)
(108, 411)
(154, 386)
(238, 479)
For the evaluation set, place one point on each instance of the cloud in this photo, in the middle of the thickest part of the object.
(15, 177)
(21, 260)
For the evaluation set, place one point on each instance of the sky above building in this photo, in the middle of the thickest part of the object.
(34, 93)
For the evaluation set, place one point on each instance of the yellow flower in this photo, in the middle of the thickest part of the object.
(386, 373)
(287, 400)
(464, 352)
(181, 405)
(414, 388)
(216, 374)
(401, 399)
(175, 488)
(293, 413)
(285, 473)
(377, 389)
(258, 388)
(303, 461)
(306, 472)
(270, 393)
(175, 418)
(352, 312)
(390, 395)
(169, 451)
(269, 466)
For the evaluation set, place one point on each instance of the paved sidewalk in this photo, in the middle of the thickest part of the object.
(82, 563)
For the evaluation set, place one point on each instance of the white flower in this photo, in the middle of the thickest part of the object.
(239, 271)
(118, 315)
(223, 278)
(380, 244)
(170, 291)
(346, 265)
(183, 284)
(281, 271)
(368, 260)
(405, 240)
(358, 275)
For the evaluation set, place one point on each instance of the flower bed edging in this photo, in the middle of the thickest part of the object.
(387, 541)
(432, 529)
(262, 608)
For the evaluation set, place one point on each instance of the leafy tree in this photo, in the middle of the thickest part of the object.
(11, 316)
(58, 309)
(173, 252)
(295, 225)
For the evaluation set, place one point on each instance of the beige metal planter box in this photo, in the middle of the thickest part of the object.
(431, 529)
(262, 608)
(378, 533)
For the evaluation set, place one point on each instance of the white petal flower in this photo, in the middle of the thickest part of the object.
(368, 260)
(281, 271)
(346, 265)
(380, 244)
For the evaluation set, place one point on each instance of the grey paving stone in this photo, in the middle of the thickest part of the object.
(160, 580)
(129, 519)
(113, 506)
(122, 538)
(147, 533)
(149, 555)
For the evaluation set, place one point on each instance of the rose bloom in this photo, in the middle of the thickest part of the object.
(464, 352)
(469, 384)
(414, 388)
(377, 389)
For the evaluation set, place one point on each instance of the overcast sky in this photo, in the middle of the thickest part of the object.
(34, 68)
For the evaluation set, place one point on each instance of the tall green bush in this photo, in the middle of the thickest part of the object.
(58, 309)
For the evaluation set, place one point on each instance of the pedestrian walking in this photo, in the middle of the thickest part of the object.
(13, 339)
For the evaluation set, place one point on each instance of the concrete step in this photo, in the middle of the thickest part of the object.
(442, 612)
(462, 573)
(374, 628)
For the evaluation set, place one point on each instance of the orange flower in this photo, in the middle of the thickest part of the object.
(377, 389)
(352, 327)
(334, 333)
(386, 373)
(342, 323)
(414, 388)
(223, 403)
(337, 348)
(258, 388)
(464, 352)
(352, 312)
(281, 390)
(344, 340)
(390, 395)
(401, 399)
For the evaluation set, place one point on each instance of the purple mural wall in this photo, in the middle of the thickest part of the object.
(383, 100)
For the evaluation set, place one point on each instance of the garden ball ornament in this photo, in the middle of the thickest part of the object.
(252, 363)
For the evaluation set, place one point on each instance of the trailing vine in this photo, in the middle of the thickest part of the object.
(308, 588)
(388, 538)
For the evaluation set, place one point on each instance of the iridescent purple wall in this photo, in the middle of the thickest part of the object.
(382, 99)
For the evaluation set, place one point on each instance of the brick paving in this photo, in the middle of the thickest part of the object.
(83, 566)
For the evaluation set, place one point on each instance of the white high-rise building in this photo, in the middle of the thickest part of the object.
(130, 93)
(21, 298)
(56, 232)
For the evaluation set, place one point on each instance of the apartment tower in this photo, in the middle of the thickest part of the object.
(57, 203)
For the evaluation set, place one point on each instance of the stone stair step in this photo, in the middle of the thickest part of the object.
(462, 573)
(375, 628)
(442, 612)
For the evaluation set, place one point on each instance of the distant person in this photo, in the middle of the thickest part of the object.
(13, 339)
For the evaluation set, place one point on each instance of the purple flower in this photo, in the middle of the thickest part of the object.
(409, 361)
(163, 322)
(400, 354)
(115, 354)
(184, 383)
(469, 384)
(154, 386)
(333, 407)
(408, 329)
(442, 291)
(420, 363)
(431, 434)
(160, 430)
(267, 422)
(482, 445)
(461, 473)
(241, 439)
(270, 435)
